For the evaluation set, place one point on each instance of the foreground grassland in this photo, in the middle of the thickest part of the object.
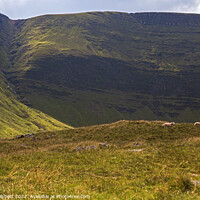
(53, 163)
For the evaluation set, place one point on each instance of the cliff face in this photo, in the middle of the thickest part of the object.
(99, 67)
(168, 19)
(6, 33)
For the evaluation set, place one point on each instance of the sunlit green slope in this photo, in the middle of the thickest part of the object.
(16, 118)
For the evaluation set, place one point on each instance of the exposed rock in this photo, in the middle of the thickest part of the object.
(103, 144)
(30, 135)
(27, 136)
(84, 148)
(20, 136)
(93, 147)
(136, 144)
(49, 136)
(80, 148)
(136, 150)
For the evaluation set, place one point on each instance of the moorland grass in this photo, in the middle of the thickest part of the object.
(50, 165)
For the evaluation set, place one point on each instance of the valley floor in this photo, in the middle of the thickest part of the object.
(122, 160)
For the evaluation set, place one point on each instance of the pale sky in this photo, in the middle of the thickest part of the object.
(21, 9)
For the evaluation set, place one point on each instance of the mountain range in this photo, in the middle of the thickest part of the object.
(99, 67)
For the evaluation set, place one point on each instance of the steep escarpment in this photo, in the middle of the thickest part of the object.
(6, 33)
(99, 67)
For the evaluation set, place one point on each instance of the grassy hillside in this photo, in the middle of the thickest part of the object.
(142, 160)
(15, 117)
(105, 66)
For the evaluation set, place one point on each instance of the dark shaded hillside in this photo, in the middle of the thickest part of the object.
(6, 33)
(106, 73)
(92, 68)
